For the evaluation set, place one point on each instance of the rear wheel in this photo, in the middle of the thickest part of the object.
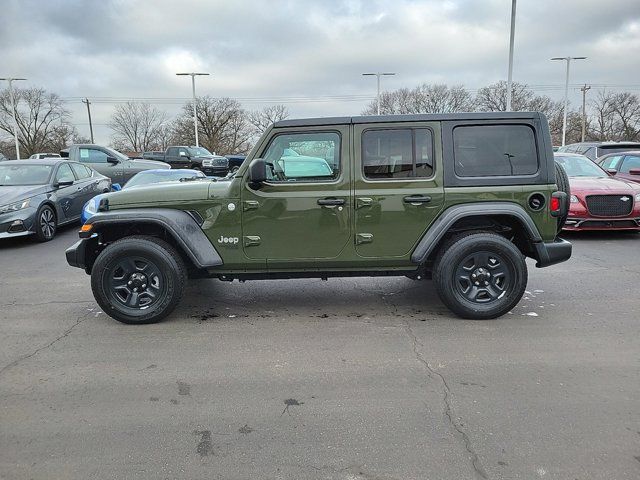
(46, 223)
(480, 276)
(138, 279)
(562, 180)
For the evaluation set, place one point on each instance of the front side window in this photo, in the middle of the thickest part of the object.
(91, 155)
(64, 174)
(307, 157)
(494, 150)
(611, 162)
(397, 153)
(630, 163)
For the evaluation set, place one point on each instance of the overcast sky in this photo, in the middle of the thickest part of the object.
(308, 54)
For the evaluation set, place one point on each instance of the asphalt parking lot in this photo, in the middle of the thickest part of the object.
(345, 379)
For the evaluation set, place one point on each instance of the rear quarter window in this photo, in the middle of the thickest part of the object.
(494, 150)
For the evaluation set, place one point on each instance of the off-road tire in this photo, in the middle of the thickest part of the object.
(463, 257)
(46, 224)
(139, 255)
(562, 181)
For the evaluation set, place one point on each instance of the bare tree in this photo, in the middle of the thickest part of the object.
(616, 116)
(262, 119)
(222, 125)
(40, 117)
(425, 98)
(137, 126)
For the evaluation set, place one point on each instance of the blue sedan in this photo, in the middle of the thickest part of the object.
(147, 177)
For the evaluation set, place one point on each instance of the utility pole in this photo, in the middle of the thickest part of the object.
(511, 38)
(584, 109)
(378, 75)
(13, 110)
(566, 94)
(86, 100)
(193, 90)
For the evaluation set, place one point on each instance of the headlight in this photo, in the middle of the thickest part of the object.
(574, 199)
(637, 197)
(207, 163)
(14, 207)
(91, 206)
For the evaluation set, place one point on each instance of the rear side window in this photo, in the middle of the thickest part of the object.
(611, 162)
(494, 150)
(81, 171)
(397, 153)
(630, 163)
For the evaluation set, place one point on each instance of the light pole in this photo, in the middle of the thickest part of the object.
(195, 111)
(566, 93)
(511, 38)
(584, 91)
(13, 110)
(378, 75)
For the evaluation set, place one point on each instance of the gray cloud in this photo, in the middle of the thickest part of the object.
(257, 49)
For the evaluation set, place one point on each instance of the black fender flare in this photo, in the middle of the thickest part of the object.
(452, 214)
(182, 227)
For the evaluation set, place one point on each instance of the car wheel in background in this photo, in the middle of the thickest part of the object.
(480, 275)
(138, 279)
(46, 223)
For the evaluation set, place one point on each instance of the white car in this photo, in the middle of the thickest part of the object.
(40, 156)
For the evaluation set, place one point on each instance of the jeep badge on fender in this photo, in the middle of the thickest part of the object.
(460, 198)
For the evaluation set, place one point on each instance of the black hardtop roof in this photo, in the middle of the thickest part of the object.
(423, 117)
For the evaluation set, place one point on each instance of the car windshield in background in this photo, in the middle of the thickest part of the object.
(148, 178)
(15, 175)
(579, 166)
(199, 151)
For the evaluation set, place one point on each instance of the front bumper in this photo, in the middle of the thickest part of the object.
(76, 254)
(553, 252)
(18, 223)
(589, 223)
(215, 171)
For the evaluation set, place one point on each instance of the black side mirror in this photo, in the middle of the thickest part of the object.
(63, 183)
(257, 171)
(113, 160)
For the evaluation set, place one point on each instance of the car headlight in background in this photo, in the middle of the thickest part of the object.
(14, 207)
(91, 206)
(574, 199)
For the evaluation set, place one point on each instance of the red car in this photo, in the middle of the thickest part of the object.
(599, 201)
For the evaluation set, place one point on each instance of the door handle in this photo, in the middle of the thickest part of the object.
(331, 202)
(417, 199)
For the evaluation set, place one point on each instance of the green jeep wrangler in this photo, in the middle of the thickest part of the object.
(459, 198)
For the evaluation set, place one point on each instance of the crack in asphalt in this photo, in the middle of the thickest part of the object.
(79, 320)
(448, 410)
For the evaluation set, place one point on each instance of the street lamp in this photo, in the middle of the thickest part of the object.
(193, 88)
(378, 74)
(566, 93)
(511, 38)
(13, 110)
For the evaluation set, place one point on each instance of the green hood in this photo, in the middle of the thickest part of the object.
(167, 193)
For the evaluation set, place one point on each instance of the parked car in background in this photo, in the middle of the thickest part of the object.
(38, 156)
(199, 158)
(148, 177)
(625, 165)
(235, 161)
(598, 201)
(594, 150)
(115, 165)
(37, 196)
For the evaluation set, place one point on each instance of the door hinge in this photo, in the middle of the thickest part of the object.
(251, 240)
(250, 205)
(363, 238)
(363, 202)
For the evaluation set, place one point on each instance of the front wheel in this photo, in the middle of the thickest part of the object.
(46, 224)
(138, 279)
(480, 276)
